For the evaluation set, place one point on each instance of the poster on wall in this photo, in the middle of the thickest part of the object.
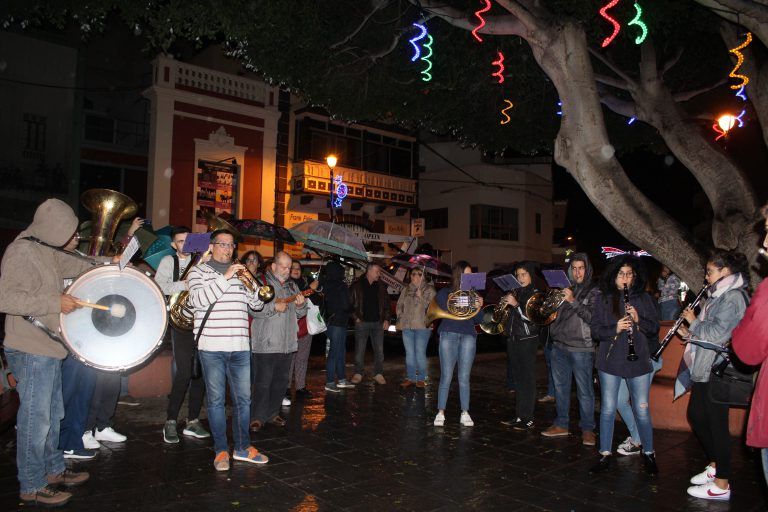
(215, 192)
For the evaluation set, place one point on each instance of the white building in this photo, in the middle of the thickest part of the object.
(489, 213)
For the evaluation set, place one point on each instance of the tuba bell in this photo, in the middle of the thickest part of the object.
(541, 308)
(108, 208)
(495, 317)
(461, 306)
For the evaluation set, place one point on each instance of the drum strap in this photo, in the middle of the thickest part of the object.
(175, 268)
(40, 242)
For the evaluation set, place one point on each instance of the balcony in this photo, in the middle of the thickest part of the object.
(310, 177)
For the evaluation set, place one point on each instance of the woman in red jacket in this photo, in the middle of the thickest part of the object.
(750, 342)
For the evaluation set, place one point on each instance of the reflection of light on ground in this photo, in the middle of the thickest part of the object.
(312, 415)
(308, 504)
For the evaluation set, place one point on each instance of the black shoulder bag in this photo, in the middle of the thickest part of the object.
(197, 371)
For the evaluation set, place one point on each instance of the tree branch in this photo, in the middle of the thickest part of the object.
(682, 96)
(613, 82)
(377, 6)
(613, 67)
(614, 103)
(494, 25)
(751, 14)
(672, 61)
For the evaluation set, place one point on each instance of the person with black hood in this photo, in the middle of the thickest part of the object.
(338, 308)
(32, 284)
(573, 352)
(621, 326)
(522, 344)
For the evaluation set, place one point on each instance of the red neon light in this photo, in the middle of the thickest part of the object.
(482, 20)
(616, 26)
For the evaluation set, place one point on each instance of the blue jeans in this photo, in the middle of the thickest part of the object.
(579, 365)
(548, 347)
(639, 387)
(78, 383)
(218, 367)
(764, 451)
(415, 341)
(455, 347)
(334, 363)
(625, 408)
(38, 419)
(669, 310)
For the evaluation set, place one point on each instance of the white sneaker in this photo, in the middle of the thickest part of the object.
(466, 420)
(629, 448)
(90, 442)
(109, 434)
(286, 401)
(705, 477)
(439, 420)
(710, 491)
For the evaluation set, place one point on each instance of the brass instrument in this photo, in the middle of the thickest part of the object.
(495, 317)
(108, 208)
(461, 306)
(181, 313)
(541, 308)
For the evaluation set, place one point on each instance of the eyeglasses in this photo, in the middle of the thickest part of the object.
(250, 260)
(225, 245)
(626, 274)
(711, 271)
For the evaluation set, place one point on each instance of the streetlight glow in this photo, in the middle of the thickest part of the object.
(331, 160)
(726, 122)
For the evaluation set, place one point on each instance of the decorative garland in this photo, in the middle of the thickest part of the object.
(616, 26)
(479, 16)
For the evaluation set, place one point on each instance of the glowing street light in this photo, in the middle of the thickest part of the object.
(331, 160)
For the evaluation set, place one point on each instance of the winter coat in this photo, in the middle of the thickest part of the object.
(721, 313)
(338, 304)
(570, 331)
(357, 293)
(613, 348)
(750, 342)
(412, 308)
(519, 326)
(32, 279)
(273, 332)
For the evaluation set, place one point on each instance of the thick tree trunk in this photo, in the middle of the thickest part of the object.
(583, 147)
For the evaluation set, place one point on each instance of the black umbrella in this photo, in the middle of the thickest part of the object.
(264, 230)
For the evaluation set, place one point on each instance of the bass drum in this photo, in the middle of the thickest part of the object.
(127, 335)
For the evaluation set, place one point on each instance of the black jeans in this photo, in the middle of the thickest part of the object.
(521, 358)
(183, 351)
(710, 424)
(269, 377)
(104, 402)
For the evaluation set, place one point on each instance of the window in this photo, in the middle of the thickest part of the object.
(435, 219)
(493, 222)
(34, 132)
(99, 129)
(538, 223)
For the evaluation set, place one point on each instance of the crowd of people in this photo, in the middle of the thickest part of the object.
(259, 346)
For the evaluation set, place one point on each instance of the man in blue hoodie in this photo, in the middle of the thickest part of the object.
(573, 352)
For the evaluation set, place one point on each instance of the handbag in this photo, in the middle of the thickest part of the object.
(315, 322)
(729, 385)
(197, 370)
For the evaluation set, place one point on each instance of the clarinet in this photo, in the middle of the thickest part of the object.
(663, 345)
(631, 355)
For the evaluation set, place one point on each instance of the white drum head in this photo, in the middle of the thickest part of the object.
(126, 335)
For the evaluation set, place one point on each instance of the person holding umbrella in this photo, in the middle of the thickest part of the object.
(411, 308)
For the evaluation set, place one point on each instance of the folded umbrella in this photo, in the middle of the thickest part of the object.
(329, 238)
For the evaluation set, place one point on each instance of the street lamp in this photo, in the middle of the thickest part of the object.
(331, 160)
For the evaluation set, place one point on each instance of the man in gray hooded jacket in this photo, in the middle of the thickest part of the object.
(273, 341)
(32, 284)
(573, 352)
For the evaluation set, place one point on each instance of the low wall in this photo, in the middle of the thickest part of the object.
(154, 379)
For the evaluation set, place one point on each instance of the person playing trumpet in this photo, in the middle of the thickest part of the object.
(220, 302)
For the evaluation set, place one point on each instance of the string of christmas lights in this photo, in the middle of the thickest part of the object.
(504, 112)
(426, 59)
(422, 35)
(479, 16)
(616, 26)
(637, 21)
(499, 72)
(739, 61)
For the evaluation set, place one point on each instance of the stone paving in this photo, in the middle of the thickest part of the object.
(374, 448)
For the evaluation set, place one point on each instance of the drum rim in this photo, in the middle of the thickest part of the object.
(134, 364)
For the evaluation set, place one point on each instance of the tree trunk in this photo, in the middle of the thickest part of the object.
(582, 146)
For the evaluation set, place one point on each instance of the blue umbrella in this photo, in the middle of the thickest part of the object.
(159, 249)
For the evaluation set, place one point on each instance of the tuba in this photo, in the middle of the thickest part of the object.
(108, 208)
(495, 317)
(541, 308)
(461, 306)
(181, 314)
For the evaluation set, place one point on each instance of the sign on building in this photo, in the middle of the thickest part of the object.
(417, 227)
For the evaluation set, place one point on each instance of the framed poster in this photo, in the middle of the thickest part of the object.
(216, 186)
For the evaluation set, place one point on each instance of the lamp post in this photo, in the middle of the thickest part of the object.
(331, 160)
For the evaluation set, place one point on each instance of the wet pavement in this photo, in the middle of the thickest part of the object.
(374, 448)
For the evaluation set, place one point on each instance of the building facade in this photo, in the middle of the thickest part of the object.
(490, 213)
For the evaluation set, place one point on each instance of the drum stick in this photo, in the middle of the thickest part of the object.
(92, 305)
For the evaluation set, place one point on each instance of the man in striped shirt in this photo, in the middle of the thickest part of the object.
(224, 347)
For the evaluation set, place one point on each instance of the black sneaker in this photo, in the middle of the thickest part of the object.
(303, 393)
(512, 423)
(649, 461)
(523, 425)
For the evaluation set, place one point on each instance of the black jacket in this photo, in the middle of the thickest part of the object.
(519, 326)
(338, 307)
(570, 330)
(356, 292)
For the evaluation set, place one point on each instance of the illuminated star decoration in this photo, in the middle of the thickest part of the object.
(479, 16)
(616, 26)
(341, 190)
(504, 112)
(739, 61)
(637, 21)
(500, 71)
(428, 45)
(416, 49)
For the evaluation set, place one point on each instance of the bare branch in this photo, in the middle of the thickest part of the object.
(622, 107)
(613, 67)
(682, 96)
(377, 6)
(494, 25)
(751, 14)
(613, 82)
(672, 61)
(530, 13)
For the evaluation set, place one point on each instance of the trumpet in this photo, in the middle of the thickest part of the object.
(265, 292)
